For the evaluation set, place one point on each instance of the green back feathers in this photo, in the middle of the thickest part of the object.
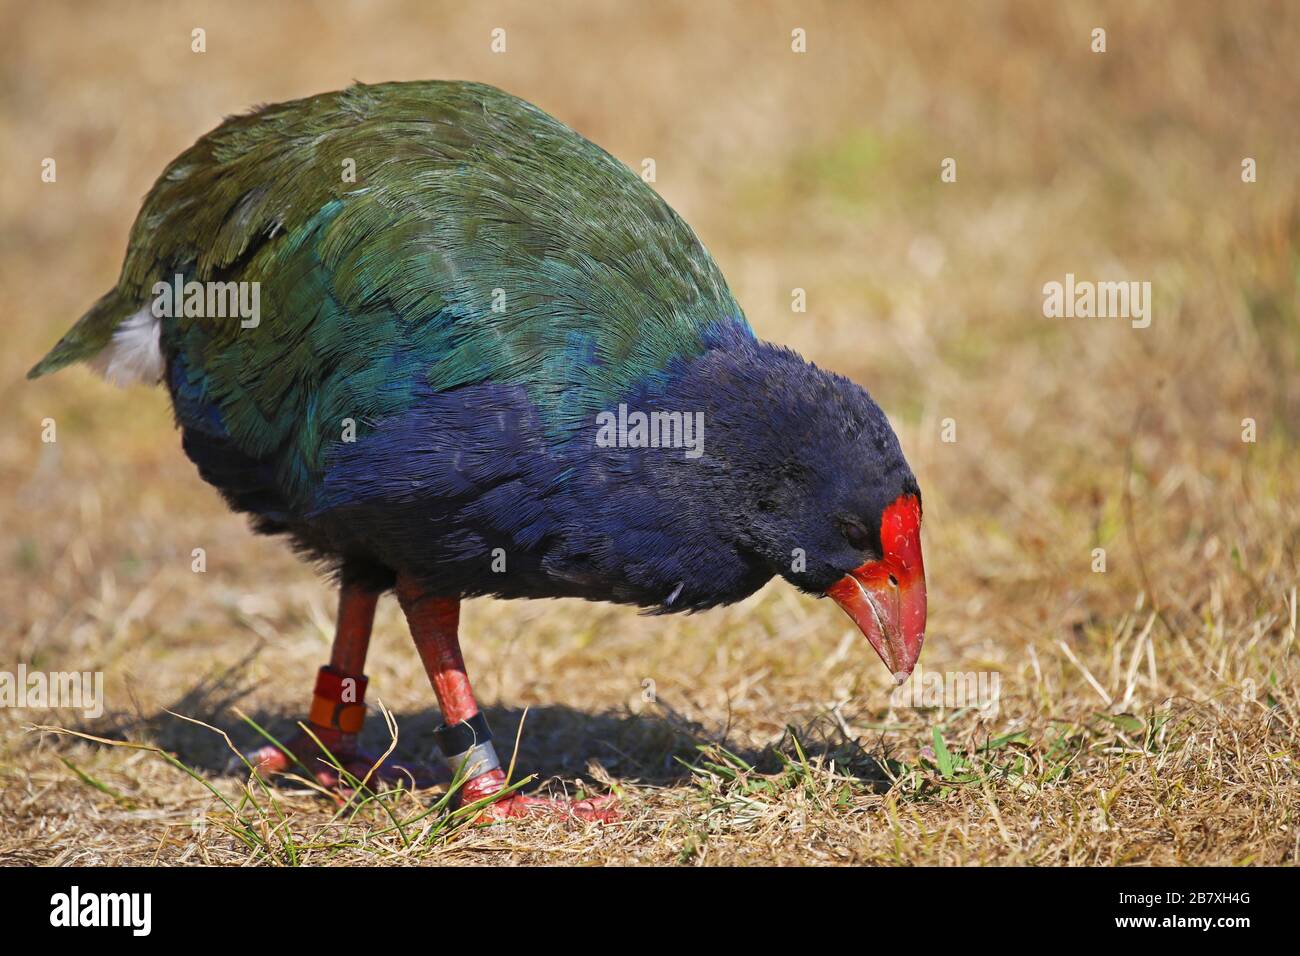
(436, 228)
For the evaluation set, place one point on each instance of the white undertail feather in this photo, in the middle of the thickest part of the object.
(133, 354)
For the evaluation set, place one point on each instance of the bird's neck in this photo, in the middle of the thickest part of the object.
(684, 455)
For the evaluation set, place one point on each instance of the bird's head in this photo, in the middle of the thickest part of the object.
(852, 532)
(827, 500)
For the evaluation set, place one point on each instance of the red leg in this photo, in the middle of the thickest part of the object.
(434, 622)
(338, 707)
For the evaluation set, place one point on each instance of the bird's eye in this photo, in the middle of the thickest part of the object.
(856, 535)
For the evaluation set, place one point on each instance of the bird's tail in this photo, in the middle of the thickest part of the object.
(92, 334)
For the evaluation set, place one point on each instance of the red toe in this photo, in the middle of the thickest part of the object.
(594, 810)
(605, 809)
(304, 752)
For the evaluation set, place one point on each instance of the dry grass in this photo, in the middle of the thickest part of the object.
(1149, 714)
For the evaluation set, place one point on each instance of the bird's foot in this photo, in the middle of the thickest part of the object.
(301, 754)
(514, 806)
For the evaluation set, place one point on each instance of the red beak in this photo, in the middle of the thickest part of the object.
(886, 598)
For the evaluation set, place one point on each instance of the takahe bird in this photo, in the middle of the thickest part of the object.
(483, 357)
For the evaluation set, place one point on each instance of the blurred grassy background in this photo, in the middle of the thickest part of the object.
(817, 171)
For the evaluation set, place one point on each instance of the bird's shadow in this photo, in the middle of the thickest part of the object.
(656, 747)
